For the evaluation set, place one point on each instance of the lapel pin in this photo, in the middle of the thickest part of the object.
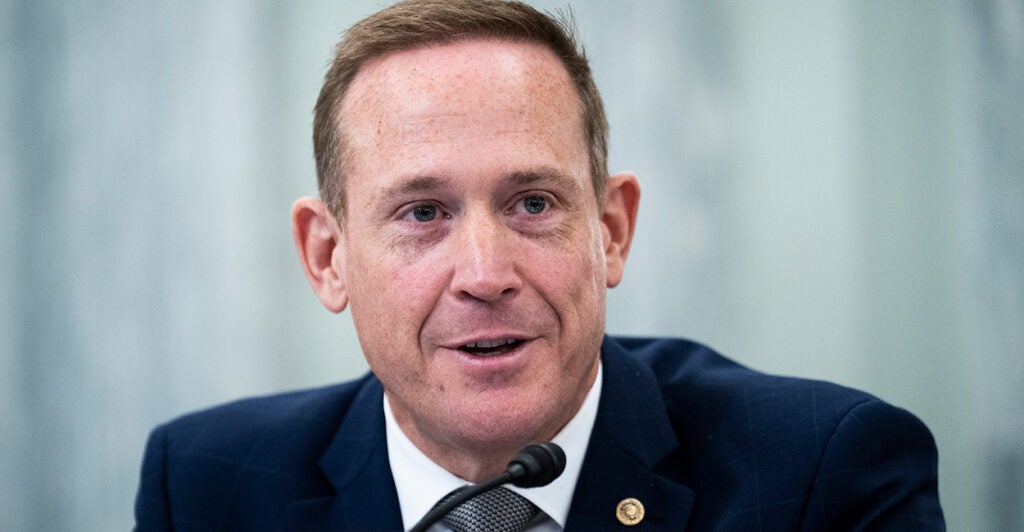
(630, 511)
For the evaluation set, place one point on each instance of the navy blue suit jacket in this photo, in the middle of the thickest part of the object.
(702, 442)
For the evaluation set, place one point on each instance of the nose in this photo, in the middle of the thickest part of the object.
(485, 260)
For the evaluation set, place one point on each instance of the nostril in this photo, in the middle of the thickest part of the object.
(489, 283)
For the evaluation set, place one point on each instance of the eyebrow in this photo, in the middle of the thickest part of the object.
(389, 197)
(522, 178)
(416, 184)
(545, 175)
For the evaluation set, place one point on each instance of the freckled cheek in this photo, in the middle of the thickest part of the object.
(588, 253)
(380, 293)
(394, 306)
(413, 291)
(568, 278)
(597, 259)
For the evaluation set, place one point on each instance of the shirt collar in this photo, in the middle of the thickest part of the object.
(420, 482)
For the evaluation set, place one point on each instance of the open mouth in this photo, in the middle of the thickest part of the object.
(490, 348)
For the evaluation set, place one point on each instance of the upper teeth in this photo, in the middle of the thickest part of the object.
(488, 344)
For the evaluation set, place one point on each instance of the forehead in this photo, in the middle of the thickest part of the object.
(481, 85)
(503, 63)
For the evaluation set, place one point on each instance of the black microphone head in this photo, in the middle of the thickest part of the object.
(537, 465)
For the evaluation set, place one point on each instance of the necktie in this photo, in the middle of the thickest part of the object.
(497, 510)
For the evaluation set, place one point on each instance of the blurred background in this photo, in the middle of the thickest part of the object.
(831, 189)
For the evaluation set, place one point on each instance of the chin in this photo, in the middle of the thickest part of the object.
(507, 426)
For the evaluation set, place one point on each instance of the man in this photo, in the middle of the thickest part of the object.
(470, 226)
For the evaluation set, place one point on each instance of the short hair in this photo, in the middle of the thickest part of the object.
(415, 24)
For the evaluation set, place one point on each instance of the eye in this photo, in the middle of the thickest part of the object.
(424, 213)
(535, 204)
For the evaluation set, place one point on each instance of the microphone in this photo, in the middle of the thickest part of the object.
(536, 465)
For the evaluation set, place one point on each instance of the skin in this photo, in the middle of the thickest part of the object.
(471, 220)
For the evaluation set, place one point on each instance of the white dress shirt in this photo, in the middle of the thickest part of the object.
(421, 483)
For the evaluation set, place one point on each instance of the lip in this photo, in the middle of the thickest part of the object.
(509, 360)
(486, 340)
(491, 344)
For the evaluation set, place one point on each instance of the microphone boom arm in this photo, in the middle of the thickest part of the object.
(535, 465)
(462, 496)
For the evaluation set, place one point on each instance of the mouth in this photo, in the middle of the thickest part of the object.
(490, 348)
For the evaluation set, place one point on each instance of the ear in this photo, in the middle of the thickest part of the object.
(621, 201)
(318, 239)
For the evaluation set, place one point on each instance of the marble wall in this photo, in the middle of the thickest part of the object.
(831, 189)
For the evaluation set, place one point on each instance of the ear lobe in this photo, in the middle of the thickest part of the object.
(318, 239)
(621, 202)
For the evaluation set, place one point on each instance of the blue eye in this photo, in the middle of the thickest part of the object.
(424, 213)
(535, 204)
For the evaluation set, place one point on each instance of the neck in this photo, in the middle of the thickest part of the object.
(479, 457)
(471, 461)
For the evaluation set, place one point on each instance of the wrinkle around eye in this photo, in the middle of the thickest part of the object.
(410, 238)
(551, 222)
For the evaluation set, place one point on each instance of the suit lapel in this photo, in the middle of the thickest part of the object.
(633, 453)
(356, 463)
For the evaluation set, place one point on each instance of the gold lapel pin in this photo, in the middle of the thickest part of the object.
(630, 511)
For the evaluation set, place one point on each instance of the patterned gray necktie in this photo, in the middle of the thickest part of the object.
(497, 510)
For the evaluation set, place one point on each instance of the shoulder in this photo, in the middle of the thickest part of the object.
(237, 426)
(705, 393)
(796, 437)
(698, 383)
(243, 461)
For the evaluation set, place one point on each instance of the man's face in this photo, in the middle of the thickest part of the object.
(473, 245)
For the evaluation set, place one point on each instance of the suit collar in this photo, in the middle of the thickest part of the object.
(356, 464)
(633, 453)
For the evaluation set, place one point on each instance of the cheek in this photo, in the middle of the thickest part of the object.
(389, 305)
(390, 292)
(594, 277)
(573, 277)
(596, 268)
